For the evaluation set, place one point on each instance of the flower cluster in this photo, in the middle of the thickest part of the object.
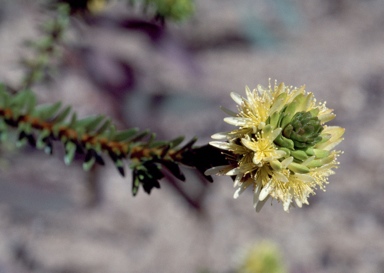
(282, 147)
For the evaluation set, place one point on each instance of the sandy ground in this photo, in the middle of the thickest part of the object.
(336, 48)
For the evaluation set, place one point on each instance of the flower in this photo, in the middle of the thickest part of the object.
(282, 146)
(260, 258)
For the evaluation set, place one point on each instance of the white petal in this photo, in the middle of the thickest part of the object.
(220, 136)
(260, 126)
(237, 180)
(308, 160)
(237, 98)
(280, 153)
(242, 188)
(256, 159)
(304, 177)
(332, 145)
(298, 202)
(265, 191)
(247, 143)
(216, 170)
(227, 111)
(325, 117)
(249, 93)
(234, 171)
(237, 121)
(287, 205)
(220, 145)
(281, 177)
(336, 137)
(287, 161)
(260, 204)
(256, 194)
(275, 133)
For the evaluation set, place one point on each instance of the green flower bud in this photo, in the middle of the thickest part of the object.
(321, 153)
(286, 150)
(304, 130)
(284, 142)
(299, 154)
(298, 168)
(276, 165)
(320, 162)
(289, 113)
(310, 151)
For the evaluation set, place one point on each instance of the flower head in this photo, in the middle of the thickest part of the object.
(282, 146)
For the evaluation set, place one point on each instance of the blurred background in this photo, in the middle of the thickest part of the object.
(172, 80)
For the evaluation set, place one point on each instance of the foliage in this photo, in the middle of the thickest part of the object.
(46, 48)
(173, 10)
(92, 138)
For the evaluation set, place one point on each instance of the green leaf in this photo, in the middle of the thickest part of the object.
(175, 142)
(3, 131)
(62, 115)
(135, 183)
(288, 114)
(188, 145)
(25, 127)
(111, 132)
(104, 127)
(87, 165)
(31, 102)
(89, 124)
(174, 168)
(47, 111)
(3, 136)
(152, 137)
(22, 141)
(120, 166)
(41, 140)
(138, 136)
(165, 151)
(156, 144)
(73, 120)
(274, 119)
(4, 98)
(19, 100)
(2, 87)
(70, 150)
(3, 125)
(124, 135)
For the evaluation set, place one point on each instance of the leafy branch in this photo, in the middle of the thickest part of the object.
(92, 138)
(47, 47)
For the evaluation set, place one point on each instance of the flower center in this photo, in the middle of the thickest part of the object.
(304, 130)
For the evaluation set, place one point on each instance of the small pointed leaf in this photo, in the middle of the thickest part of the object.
(62, 115)
(87, 165)
(124, 135)
(174, 143)
(47, 111)
(70, 149)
